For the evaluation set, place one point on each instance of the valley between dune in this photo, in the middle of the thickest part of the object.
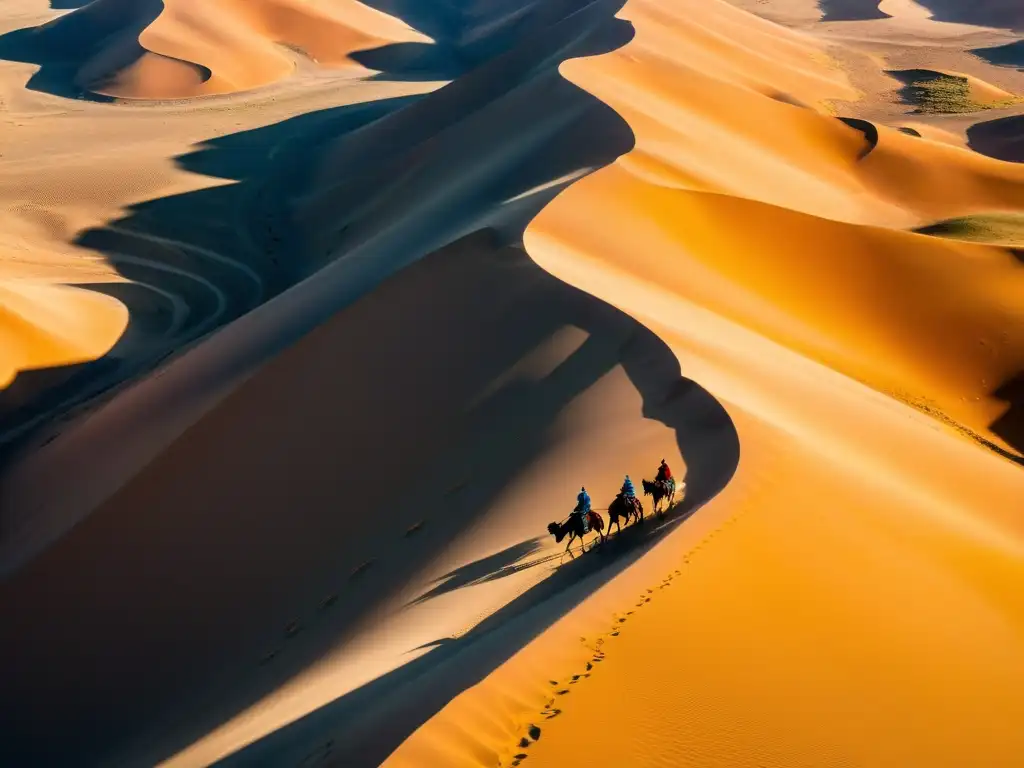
(315, 314)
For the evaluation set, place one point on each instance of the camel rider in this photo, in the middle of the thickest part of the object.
(583, 508)
(627, 489)
(664, 473)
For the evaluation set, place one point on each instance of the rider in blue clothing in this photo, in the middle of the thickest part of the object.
(583, 508)
(627, 489)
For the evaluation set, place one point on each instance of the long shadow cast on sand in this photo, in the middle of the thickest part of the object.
(165, 245)
(1002, 138)
(1007, 14)
(1009, 55)
(220, 591)
(219, 251)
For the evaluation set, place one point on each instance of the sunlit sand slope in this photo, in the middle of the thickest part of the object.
(937, 323)
(813, 613)
(509, 389)
(159, 49)
(317, 536)
(53, 326)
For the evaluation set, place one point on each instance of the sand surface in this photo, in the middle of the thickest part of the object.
(315, 314)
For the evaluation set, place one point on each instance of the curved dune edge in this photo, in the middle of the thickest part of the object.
(195, 48)
(817, 568)
(48, 326)
(835, 477)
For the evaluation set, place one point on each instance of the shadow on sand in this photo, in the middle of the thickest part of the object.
(207, 604)
(1010, 426)
(89, 42)
(387, 710)
(1002, 138)
(221, 251)
(197, 260)
(1009, 55)
(850, 10)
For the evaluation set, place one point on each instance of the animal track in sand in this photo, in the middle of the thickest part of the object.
(318, 755)
(598, 655)
(360, 570)
(415, 528)
(328, 601)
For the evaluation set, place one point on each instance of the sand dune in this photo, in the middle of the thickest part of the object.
(404, 324)
(1009, 55)
(161, 49)
(513, 352)
(51, 326)
(999, 138)
(951, 92)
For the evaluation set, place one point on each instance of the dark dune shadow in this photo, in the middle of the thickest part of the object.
(363, 727)
(851, 10)
(411, 62)
(67, 5)
(1009, 55)
(1007, 14)
(206, 604)
(77, 48)
(209, 619)
(1010, 426)
(166, 242)
(77, 51)
(454, 52)
(870, 131)
(222, 250)
(1002, 139)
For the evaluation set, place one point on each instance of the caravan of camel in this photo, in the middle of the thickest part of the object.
(623, 508)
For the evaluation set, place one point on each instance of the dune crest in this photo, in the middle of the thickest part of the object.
(379, 334)
(46, 326)
(176, 49)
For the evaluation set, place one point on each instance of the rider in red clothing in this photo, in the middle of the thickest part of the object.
(664, 473)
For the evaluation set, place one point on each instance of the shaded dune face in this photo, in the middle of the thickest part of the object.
(1009, 55)
(181, 48)
(986, 13)
(451, 363)
(1002, 139)
(340, 180)
(277, 516)
(205, 558)
(170, 49)
(84, 48)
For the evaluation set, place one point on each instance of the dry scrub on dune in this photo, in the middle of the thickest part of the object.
(993, 228)
(944, 93)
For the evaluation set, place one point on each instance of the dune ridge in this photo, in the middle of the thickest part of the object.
(542, 705)
(175, 49)
(629, 230)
